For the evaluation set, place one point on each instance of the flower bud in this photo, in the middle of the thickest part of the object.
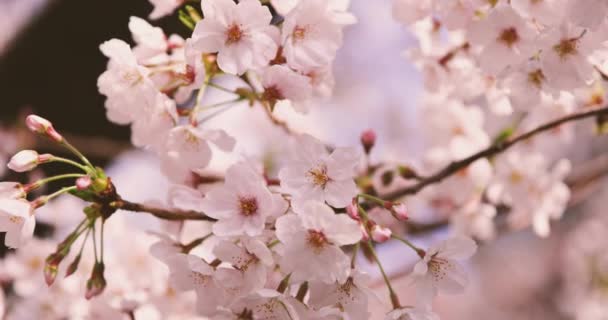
(42, 126)
(353, 211)
(368, 140)
(25, 160)
(96, 283)
(83, 183)
(381, 234)
(399, 211)
(73, 266)
(51, 266)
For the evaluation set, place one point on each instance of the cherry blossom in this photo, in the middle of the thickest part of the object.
(310, 36)
(240, 33)
(243, 204)
(564, 59)
(163, 8)
(126, 83)
(312, 239)
(506, 38)
(315, 174)
(17, 221)
(281, 83)
(187, 148)
(439, 269)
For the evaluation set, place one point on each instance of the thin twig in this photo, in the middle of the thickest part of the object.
(165, 214)
(494, 149)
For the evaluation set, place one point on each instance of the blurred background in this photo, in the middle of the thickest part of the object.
(50, 61)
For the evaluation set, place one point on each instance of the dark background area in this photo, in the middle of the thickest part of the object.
(51, 69)
(53, 65)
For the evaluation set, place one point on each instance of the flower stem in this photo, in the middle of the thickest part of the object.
(372, 198)
(186, 248)
(407, 243)
(353, 259)
(77, 153)
(393, 296)
(216, 86)
(44, 181)
(70, 162)
(60, 192)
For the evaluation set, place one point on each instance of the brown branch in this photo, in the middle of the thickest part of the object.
(493, 150)
(161, 213)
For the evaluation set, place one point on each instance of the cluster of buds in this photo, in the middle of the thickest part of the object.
(91, 184)
(370, 228)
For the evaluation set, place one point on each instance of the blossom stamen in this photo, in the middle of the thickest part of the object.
(317, 239)
(234, 34)
(509, 36)
(248, 206)
(319, 176)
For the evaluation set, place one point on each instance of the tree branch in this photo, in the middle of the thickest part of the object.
(494, 149)
(165, 214)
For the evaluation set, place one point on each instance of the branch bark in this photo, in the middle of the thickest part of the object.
(161, 213)
(494, 149)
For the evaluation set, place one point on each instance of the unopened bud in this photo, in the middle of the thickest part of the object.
(42, 126)
(83, 183)
(353, 211)
(27, 160)
(381, 234)
(96, 283)
(368, 140)
(51, 266)
(399, 211)
(73, 266)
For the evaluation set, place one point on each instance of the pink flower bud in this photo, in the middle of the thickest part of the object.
(399, 211)
(83, 183)
(25, 160)
(368, 140)
(42, 126)
(37, 124)
(96, 283)
(353, 211)
(51, 266)
(381, 234)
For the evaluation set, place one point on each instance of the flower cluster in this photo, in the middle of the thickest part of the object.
(279, 237)
(494, 69)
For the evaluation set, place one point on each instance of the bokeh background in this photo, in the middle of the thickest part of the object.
(50, 61)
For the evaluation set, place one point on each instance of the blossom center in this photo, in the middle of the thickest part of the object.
(132, 77)
(248, 206)
(438, 268)
(272, 94)
(566, 47)
(299, 33)
(516, 176)
(233, 34)
(199, 278)
(319, 176)
(16, 220)
(509, 36)
(316, 239)
(536, 77)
